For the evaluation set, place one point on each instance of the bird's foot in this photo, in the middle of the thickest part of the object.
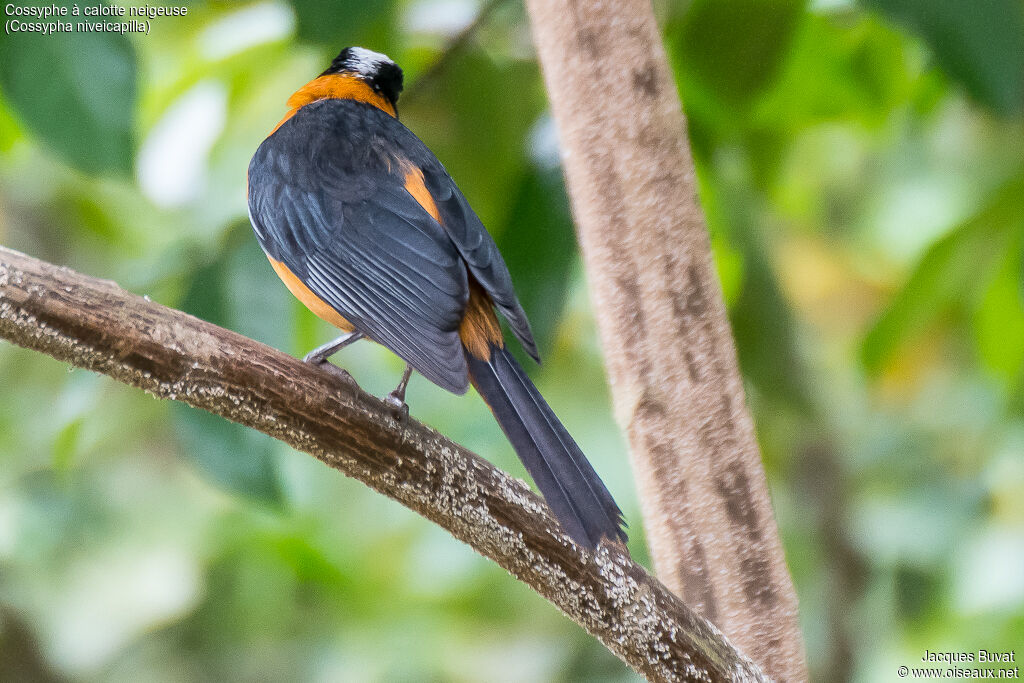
(315, 357)
(320, 354)
(397, 403)
(332, 369)
(396, 399)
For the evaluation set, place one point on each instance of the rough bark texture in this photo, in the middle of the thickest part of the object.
(670, 354)
(96, 325)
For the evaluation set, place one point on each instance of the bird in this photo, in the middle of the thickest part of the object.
(364, 226)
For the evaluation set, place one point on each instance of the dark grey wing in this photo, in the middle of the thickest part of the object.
(325, 199)
(478, 249)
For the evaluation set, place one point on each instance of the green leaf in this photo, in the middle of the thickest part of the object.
(10, 131)
(206, 295)
(764, 325)
(999, 322)
(947, 275)
(859, 71)
(1020, 274)
(235, 458)
(980, 43)
(75, 91)
(733, 49)
(539, 246)
(261, 307)
(765, 330)
(65, 445)
(369, 23)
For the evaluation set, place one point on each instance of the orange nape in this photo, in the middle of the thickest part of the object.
(334, 86)
(480, 329)
(314, 303)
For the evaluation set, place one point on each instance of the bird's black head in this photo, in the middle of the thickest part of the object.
(379, 72)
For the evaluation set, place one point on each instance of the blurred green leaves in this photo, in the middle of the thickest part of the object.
(999, 320)
(232, 457)
(66, 445)
(538, 238)
(866, 220)
(733, 49)
(368, 23)
(973, 269)
(76, 92)
(478, 131)
(849, 67)
(980, 43)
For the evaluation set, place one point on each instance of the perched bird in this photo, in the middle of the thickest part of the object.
(364, 225)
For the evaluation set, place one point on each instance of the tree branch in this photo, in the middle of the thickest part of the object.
(98, 326)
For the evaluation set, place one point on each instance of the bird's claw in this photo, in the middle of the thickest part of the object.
(398, 405)
(331, 368)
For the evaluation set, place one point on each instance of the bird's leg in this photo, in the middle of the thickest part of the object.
(320, 354)
(396, 399)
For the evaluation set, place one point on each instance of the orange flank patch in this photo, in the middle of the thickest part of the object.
(334, 86)
(479, 328)
(314, 303)
(414, 185)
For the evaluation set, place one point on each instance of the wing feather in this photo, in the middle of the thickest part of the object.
(327, 199)
(373, 255)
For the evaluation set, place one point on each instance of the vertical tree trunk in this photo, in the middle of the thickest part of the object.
(670, 353)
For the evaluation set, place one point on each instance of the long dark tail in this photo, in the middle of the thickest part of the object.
(568, 482)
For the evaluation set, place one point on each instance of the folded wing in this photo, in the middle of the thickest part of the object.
(330, 204)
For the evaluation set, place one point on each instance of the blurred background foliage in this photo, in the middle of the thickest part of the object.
(862, 169)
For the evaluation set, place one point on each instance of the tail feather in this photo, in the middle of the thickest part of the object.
(571, 487)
